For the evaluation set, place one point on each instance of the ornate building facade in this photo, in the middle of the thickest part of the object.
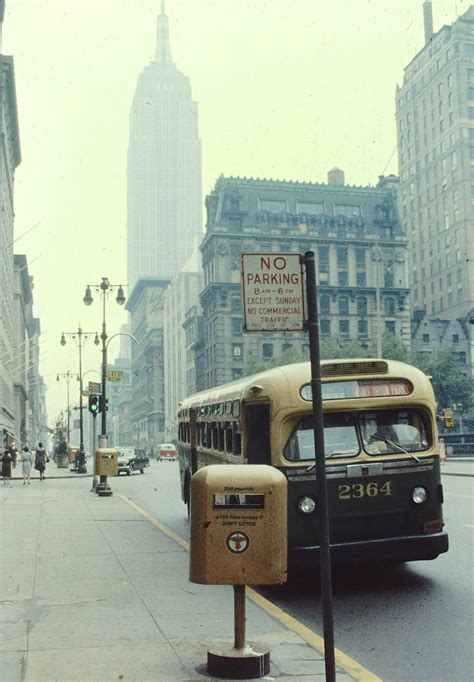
(360, 249)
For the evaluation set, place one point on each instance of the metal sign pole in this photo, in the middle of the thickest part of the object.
(320, 466)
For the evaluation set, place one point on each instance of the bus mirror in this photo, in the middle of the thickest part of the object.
(448, 418)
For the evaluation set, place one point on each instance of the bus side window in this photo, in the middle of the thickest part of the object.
(237, 438)
(228, 436)
(257, 420)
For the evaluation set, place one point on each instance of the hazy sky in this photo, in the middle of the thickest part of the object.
(286, 89)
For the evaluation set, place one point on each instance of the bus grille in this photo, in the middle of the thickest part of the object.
(338, 369)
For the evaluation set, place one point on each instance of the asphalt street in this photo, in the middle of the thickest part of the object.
(414, 621)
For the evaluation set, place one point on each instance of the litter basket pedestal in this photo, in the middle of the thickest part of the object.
(238, 537)
(241, 662)
(106, 464)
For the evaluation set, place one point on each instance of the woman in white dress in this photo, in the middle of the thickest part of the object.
(26, 464)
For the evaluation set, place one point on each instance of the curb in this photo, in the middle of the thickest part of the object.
(450, 473)
(49, 478)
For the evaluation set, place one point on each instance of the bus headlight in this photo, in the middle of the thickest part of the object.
(419, 495)
(307, 505)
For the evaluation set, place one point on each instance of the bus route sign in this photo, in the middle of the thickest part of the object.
(272, 292)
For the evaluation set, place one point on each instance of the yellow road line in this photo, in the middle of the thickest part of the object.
(349, 665)
(353, 668)
(164, 529)
(466, 496)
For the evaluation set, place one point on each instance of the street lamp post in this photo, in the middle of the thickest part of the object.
(94, 444)
(67, 375)
(78, 335)
(104, 289)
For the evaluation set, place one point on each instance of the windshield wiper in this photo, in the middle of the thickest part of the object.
(394, 445)
(327, 457)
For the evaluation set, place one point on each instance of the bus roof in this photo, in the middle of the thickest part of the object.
(281, 379)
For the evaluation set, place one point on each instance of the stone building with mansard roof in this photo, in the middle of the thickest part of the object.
(361, 262)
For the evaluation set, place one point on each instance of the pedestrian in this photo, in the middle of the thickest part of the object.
(442, 451)
(26, 463)
(40, 460)
(7, 460)
(14, 454)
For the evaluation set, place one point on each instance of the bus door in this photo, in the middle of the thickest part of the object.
(257, 433)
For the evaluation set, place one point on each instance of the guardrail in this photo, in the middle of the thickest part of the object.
(460, 450)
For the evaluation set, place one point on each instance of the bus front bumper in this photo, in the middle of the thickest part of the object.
(404, 548)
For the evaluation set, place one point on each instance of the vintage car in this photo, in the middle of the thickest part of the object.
(131, 459)
(167, 451)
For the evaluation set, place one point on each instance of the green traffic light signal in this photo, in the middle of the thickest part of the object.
(94, 404)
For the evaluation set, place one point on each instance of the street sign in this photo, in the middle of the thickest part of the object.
(114, 375)
(94, 388)
(272, 292)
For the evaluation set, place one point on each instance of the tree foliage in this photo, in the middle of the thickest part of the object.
(450, 384)
(59, 438)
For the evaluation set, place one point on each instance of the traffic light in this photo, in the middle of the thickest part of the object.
(448, 418)
(103, 404)
(94, 404)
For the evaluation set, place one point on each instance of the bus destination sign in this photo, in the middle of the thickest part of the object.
(272, 292)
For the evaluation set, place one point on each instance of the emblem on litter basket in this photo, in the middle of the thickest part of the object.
(237, 542)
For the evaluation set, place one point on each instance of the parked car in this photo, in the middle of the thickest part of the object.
(131, 459)
(167, 451)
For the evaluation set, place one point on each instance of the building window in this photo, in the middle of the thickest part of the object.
(342, 278)
(455, 338)
(344, 327)
(236, 325)
(362, 306)
(361, 279)
(286, 347)
(390, 326)
(362, 327)
(267, 351)
(360, 257)
(342, 258)
(325, 327)
(324, 304)
(272, 205)
(347, 210)
(343, 305)
(309, 207)
(237, 350)
(323, 258)
(235, 304)
(426, 338)
(470, 113)
(389, 306)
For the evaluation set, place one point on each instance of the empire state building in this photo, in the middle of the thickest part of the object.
(164, 183)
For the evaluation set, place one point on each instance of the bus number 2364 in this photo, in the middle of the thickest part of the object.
(349, 492)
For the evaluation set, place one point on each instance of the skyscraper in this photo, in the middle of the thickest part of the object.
(164, 184)
(435, 125)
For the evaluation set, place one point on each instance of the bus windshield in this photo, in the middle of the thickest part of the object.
(392, 431)
(381, 432)
(340, 438)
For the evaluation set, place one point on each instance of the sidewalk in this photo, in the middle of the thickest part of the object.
(458, 466)
(52, 471)
(92, 591)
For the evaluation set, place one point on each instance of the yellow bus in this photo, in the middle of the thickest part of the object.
(381, 448)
